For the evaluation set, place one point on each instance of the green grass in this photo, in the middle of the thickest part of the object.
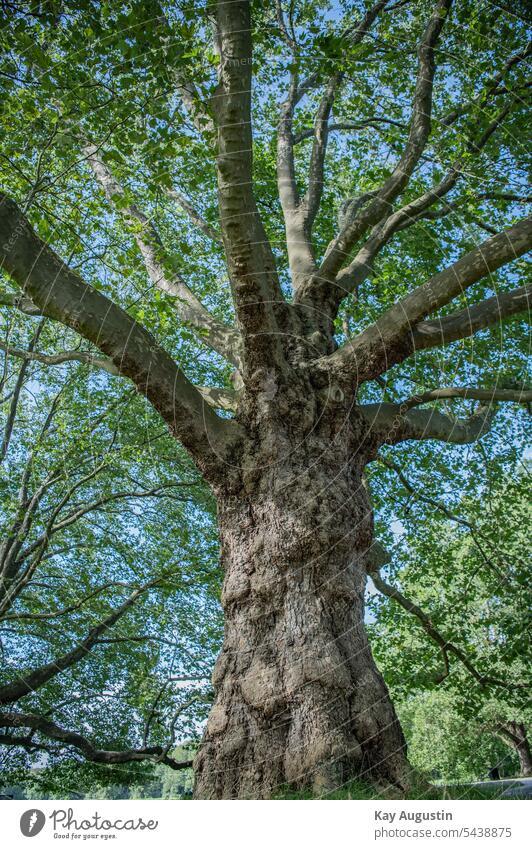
(361, 790)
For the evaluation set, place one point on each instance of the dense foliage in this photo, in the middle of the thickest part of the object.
(111, 506)
(466, 567)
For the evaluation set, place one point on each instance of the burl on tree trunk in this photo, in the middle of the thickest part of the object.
(299, 699)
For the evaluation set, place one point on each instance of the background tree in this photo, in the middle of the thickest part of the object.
(448, 749)
(360, 215)
(451, 629)
(108, 576)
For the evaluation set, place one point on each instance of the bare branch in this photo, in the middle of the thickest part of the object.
(54, 614)
(445, 645)
(491, 88)
(10, 420)
(312, 199)
(63, 357)
(90, 752)
(188, 92)
(476, 535)
(220, 337)
(519, 396)
(288, 37)
(35, 679)
(195, 216)
(349, 125)
(300, 213)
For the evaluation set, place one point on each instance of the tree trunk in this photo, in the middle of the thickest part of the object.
(299, 699)
(514, 734)
(524, 755)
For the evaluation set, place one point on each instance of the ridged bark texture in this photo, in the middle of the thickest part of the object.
(299, 699)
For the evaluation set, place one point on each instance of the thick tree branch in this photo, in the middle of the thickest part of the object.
(251, 265)
(298, 243)
(467, 322)
(64, 296)
(457, 205)
(194, 105)
(515, 734)
(350, 277)
(393, 423)
(420, 127)
(312, 199)
(220, 399)
(27, 743)
(390, 340)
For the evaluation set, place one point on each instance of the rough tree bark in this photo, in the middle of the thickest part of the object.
(298, 697)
